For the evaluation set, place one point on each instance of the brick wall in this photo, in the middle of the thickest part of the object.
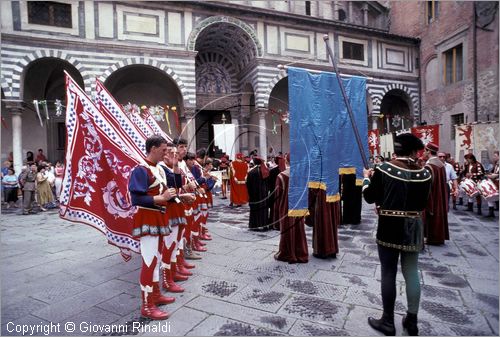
(453, 23)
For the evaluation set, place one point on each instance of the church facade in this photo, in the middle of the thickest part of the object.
(196, 64)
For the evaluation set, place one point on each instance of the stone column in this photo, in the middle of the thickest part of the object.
(374, 122)
(262, 133)
(365, 14)
(235, 116)
(17, 109)
(349, 15)
(336, 10)
(189, 128)
(243, 134)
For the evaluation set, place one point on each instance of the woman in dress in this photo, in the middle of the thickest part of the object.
(43, 186)
(59, 173)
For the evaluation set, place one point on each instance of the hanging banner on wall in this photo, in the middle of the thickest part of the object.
(427, 134)
(374, 142)
(225, 138)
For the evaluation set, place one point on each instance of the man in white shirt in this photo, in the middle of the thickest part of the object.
(451, 177)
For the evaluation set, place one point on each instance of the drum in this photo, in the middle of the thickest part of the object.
(488, 190)
(468, 186)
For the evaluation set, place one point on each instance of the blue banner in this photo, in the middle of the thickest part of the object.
(321, 136)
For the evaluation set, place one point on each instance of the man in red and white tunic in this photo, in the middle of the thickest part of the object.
(148, 191)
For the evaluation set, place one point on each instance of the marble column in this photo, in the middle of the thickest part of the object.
(189, 128)
(235, 120)
(16, 108)
(262, 133)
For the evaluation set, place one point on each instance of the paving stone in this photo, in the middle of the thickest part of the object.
(267, 300)
(14, 327)
(22, 307)
(90, 322)
(448, 280)
(483, 286)
(242, 314)
(358, 268)
(347, 280)
(308, 328)
(222, 326)
(180, 327)
(217, 288)
(121, 304)
(73, 305)
(58, 292)
(440, 294)
(316, 309)
(311, 288)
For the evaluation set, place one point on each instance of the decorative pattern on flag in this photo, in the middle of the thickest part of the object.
(386, 145)
(320, 130)
(464, 140)
(428, 134)
(150, 121)
(374, 142)
(114, 113)
(98, 164)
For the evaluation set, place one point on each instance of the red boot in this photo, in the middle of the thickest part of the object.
(196, 245)
(181, 260)
(205, 236)
(157, 296)
(169, 284)
(178, 277)
(181, 269)
(149, 309)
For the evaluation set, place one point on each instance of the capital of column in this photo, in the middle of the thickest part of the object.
(16, 107)
(189, 112)
(262, 112)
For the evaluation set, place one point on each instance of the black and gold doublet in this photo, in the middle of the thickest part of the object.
(400, 190)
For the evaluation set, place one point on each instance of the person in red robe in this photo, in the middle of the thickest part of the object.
(239, 170)
(293, 241)
(436, 214)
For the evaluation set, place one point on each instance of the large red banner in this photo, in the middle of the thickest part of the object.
(98, 164)
(427, 133)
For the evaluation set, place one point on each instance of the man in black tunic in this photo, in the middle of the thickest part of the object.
(257, 195)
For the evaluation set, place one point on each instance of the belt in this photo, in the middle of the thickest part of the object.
(411, 214)
(160, 209)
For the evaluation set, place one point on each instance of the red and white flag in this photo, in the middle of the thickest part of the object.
(374, 141)
(427, 134)
(150, 121)
(98, 164)
(113, 111)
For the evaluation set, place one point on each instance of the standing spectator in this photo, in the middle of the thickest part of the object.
(58, 173)
(44, 192)
(27, 181)
(5, 171)
(51, 178)
(400, 190)
(451, 178)
(256, 184)
(10, 185)
(224, 167)
(40, 156)
(29, 157)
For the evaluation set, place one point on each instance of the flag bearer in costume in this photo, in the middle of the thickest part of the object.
(148, 191)
(400, 190)
(187, 181)
(195, 171)
(475, 171)
(238, 171)
(173, 264)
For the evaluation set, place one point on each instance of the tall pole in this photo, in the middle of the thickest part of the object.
(346, 100)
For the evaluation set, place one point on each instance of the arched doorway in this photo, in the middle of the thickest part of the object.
(397, 111)
(149, 86)
(278, 133)
(44, 80)
(225, 52)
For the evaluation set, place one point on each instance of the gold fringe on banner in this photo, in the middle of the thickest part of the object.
(347, 170)
(359, 182)
(317, 184)
(298, 212)
(333, 198)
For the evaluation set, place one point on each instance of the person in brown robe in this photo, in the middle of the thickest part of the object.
(325, 218)
(293, 241)
(436, 214)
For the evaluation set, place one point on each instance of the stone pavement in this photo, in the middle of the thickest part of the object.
(54, 271)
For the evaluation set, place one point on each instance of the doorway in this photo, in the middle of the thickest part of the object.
(205, 119)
